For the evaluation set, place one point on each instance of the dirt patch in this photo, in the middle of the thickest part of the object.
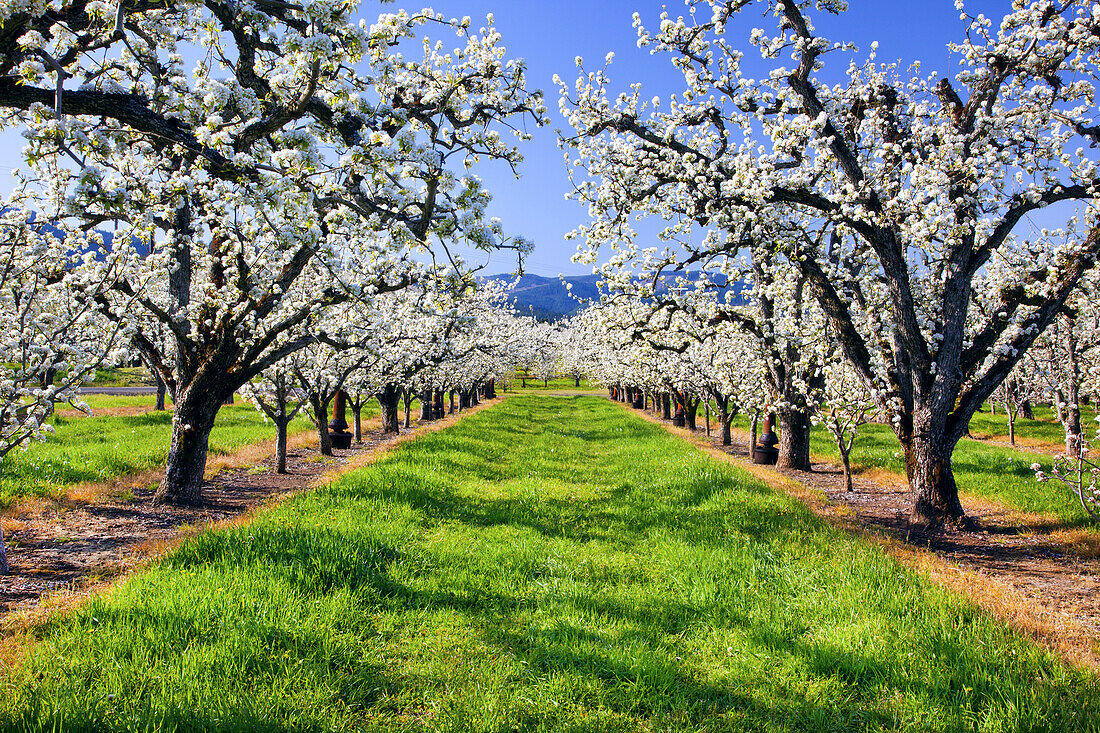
(61, 553)
(1028, 445)
(1043, 580)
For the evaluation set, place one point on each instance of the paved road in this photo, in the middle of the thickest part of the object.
(119, 391)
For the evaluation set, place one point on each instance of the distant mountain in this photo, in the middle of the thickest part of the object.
(547, 298)
(46, 227)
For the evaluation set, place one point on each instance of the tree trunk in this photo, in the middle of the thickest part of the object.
(1072, 429)
(845, 460)
(754, 433)
(451, 409)
(324, 437)
(576, 382)
(196, 411)
(931, 480)
(690, 412)
(357, 419)
(162, 389)
(666, 406)
(794, 439)
(724, 421)
(389, 399)
(706, 407)
(280, 445)
(426, 407)
(1027, 410)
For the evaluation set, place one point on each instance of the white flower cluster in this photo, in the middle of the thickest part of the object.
(258, 168)
(904, 197)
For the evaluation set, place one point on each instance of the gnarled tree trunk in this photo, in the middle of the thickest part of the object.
(724, 420)
(357, 417)
(162, 389)
(691, 412)
(320, 419)
(388, 398)
(794, 439)
(931, 481)
(406, 402)
(754, 433)
(196, 409)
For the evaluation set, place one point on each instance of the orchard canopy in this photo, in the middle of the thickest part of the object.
(282, 199)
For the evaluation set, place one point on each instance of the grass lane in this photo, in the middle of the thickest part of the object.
(548, 564)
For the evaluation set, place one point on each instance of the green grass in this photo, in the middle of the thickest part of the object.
(548, 564)
(122, 377)
(1044, 427)
(98, 402)
(103, 448)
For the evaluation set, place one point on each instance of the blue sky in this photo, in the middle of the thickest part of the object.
(549, 34)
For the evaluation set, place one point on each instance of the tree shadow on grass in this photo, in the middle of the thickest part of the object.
(650, 684)
(644, 682)
(197, 668)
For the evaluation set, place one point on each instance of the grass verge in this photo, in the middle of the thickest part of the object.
(98, 449)
(547, 564)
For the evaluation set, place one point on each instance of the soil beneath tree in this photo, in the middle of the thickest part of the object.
(1029, 560)
(74, 549)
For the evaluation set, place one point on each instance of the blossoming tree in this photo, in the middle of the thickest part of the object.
(923, 184)
(294, 135)
(274, 395)
(50, 335)
(1066, 358)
